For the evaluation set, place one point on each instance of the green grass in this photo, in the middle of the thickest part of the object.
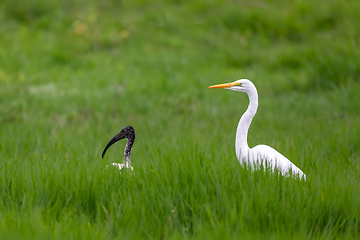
(73, 73)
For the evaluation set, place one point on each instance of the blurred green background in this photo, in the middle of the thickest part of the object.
(73, 73)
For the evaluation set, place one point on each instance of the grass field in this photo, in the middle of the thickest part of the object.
(73, 73)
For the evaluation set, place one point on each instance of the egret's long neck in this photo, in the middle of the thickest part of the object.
(241, 145)
(127, 151)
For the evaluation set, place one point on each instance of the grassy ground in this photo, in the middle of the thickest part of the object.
(73, 73)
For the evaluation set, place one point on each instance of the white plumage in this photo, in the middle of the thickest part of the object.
(260, 155)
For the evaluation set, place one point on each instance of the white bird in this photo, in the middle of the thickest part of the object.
(260, 154)
(128, 133)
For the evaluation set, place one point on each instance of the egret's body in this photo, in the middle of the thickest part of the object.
(128, 133)
(260, 155)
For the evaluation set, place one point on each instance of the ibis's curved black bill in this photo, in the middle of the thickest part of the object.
(111, 142)
(127, 132)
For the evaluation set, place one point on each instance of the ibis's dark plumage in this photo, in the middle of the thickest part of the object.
(128, 133)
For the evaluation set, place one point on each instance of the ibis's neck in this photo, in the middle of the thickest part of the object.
(127, 151)
(241, 145)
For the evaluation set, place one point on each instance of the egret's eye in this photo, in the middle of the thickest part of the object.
(238, 84)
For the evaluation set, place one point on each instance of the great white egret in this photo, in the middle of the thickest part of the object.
(128, 133)
(260, 154)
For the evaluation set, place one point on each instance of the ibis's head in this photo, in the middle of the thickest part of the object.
(127, 132)
(241, 85)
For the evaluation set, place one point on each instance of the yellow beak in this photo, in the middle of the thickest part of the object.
(224, 85)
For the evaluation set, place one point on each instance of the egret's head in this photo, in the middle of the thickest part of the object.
(241, 85)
